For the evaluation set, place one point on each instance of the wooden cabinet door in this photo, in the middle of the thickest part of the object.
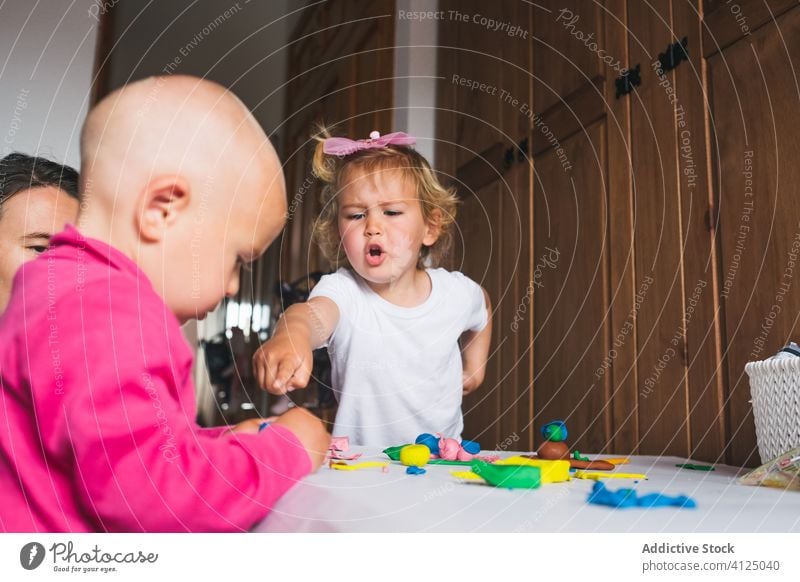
(338, 63)
(571, 238)
(756, 138)
(678, 396)
(625, 330)
(484, 80)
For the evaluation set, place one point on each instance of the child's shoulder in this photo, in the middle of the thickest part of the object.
(451, 277)
(342, 276)
(337, 286)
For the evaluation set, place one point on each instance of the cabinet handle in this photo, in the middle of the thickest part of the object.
(628, 80)
(675, 54)
(521, 152)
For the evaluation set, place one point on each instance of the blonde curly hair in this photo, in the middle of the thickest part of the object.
(437, 202)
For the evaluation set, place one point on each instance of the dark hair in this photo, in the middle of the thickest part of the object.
(19, 172)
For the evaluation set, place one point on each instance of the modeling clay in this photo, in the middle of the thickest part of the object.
(592, 465)
(486, 458)
(340, 443)
(429, 441)
(782, 471)
(623, 498)
(415, 455)
(449, 449)
(338, 447)
(552, 471)
(394, 454)
(342, 466)
(415, 471)
(471, 447)
(554, 448)
(617, 461)
(508, 476)
(339, 456)
(695, 467)
(595, 475)
(468, 475)
(600, 465)
(555, 431)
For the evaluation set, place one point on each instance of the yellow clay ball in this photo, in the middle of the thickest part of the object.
(415, 455)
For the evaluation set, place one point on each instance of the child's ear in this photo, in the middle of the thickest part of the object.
(433, 228)
(163, 199)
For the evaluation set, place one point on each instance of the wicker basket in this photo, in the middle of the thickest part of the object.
(775, 390)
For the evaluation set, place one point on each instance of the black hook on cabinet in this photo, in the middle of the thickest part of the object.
(521, 150)
(508, 158)
(628, 80)
(675, 54)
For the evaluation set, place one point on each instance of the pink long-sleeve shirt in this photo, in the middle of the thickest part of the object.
(97, 410)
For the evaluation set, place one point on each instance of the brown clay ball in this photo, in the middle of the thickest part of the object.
(553, 451)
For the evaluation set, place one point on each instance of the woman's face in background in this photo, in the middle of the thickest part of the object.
(27, 221)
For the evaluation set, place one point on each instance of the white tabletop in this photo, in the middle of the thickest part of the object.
(369, 500)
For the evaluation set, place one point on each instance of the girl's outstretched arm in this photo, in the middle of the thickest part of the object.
(284, 362)
(475, 351)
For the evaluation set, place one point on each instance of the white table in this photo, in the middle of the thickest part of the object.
(371, 501)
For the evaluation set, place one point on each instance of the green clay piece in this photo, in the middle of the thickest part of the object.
(508, 476)
(394, 452)
(555, 431)
(695, 467)
(577, 456)
(446, 462)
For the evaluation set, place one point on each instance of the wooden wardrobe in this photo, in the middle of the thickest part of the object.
(648, 219)
(628, 198)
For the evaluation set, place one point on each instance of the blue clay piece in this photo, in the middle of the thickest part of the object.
(601, 495)
(659, 500)
(555, 431)
(471, 447)
(622, 498)
(415, 471)
(429, 441)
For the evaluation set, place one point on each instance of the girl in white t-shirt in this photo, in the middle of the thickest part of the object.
(407, 340)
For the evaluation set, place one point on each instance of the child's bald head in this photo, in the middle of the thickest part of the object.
(181, 178)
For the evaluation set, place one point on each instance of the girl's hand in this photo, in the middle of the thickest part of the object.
(252, 425)
(283, 364)
(471, 381)
(475, 351)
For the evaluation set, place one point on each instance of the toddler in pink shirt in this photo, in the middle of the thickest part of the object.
(97, 405)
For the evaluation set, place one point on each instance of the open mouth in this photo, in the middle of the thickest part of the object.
(375, 255)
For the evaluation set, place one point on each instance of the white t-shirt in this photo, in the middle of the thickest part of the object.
(397, 371)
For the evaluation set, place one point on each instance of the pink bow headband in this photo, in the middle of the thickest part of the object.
(342, 146)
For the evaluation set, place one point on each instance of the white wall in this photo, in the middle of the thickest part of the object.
(238, 43)
(46, 65)
(415, 75)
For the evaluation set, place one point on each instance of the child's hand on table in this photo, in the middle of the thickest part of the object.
(251, 425)
(310, 431)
